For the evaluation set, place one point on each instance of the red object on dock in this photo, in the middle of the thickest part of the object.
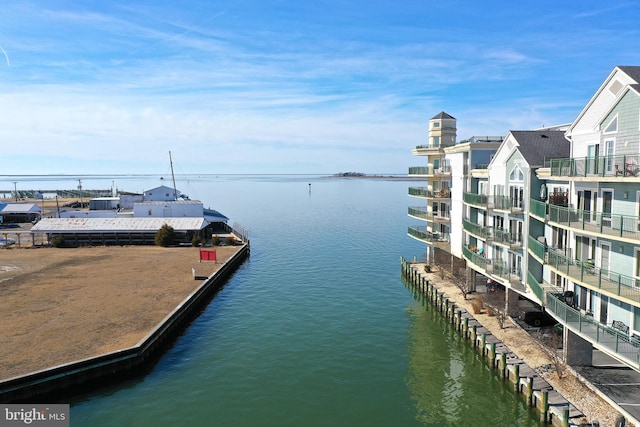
(207, 255)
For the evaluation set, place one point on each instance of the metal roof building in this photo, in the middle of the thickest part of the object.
(19, 212)
(118, 231)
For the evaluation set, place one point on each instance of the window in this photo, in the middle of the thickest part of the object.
(436, 124)
(607, 207)
(592, 159)
(516, 174)
(436, 141)
(612, 127)
(482, 188)
(609, 151)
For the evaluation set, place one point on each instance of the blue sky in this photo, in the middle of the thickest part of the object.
(111, 87)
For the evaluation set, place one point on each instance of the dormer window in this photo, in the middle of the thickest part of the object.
(612, 127)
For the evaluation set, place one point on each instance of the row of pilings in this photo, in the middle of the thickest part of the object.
(552, 407)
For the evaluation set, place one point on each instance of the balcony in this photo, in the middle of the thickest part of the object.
(485, 233)
(602, 166)
(497, 235)
(422, 212)
(419, 212)
(538, 208)
(607, 338)
(428, 194)
(430, 148)
(474, 257)
(497, 268)
(419, 170)
(511, 239)
(430, 171)
(586, 273)
(537, 249)
(536, 287)
(493, 202)
(421, 233)
(479, 200)
(507, 203)
(619, 226)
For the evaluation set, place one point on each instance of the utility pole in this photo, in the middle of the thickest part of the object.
(80, 191)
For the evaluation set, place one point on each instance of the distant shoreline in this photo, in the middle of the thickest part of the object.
(365, 176)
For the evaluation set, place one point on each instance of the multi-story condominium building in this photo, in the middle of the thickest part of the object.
(471, 156)
(553, 217)
(434, 212)
(585, 227)
(496, 208)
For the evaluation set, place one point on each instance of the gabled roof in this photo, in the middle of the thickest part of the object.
(442, 115)
(604, 99)
(538, 145)
(19, 208)
(632, 71)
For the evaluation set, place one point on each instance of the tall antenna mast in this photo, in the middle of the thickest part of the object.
(175, 191)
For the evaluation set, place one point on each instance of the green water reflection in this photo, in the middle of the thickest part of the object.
(449, 381)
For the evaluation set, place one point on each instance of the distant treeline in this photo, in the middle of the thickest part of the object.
(350, 174)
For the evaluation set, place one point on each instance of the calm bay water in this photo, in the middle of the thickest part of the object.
(316, 328)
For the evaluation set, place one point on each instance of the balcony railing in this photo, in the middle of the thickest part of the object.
(511, 239)
(418, 231)
(603, 336)
(474, 257)
(613, 166)
(586, 272)
(418, 212)
(418, 191)
(505, 203)
(425, 192)
(536, 287)
(477, 229)
(597, 222)
(430, 170)
(419, 170)
(538, 208)
(475, 199)
(494, 267)
(421, 233)
(537, 248)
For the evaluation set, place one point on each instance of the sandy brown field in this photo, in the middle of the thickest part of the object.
(61, 305)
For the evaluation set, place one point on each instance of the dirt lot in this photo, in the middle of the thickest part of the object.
(61, 305)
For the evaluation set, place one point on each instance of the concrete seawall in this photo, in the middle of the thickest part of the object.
(41, 385)
(537, 393)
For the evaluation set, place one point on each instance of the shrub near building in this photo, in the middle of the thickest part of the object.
(165, 236)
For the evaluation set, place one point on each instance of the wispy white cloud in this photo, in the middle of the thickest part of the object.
(126, 83)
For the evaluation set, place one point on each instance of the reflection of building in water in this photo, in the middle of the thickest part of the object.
(450, 383)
